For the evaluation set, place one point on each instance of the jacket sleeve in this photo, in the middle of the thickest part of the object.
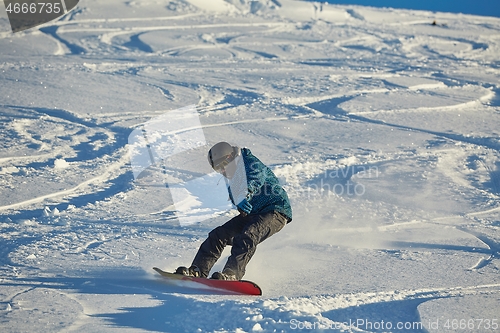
(255, 172)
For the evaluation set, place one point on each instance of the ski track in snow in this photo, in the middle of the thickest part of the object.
(332, 97)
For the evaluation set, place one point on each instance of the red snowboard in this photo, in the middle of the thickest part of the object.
(241, 287)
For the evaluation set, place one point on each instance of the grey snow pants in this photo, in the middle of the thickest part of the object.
(243, 233)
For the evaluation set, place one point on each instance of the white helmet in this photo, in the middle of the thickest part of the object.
(221, 154)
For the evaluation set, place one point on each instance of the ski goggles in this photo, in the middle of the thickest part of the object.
(220, 164)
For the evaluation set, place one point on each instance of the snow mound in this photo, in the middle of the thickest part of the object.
(61, 164)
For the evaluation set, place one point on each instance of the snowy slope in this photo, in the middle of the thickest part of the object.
(383, 126)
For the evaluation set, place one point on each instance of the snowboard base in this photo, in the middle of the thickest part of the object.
(241, 287)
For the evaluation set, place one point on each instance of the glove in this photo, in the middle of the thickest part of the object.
(244, 206)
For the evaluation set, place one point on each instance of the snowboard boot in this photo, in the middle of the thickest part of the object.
(226, 274)
(192, 271)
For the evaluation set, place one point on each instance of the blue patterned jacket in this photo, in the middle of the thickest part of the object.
(260, 186)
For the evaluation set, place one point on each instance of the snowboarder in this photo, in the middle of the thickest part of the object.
(263, 206)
